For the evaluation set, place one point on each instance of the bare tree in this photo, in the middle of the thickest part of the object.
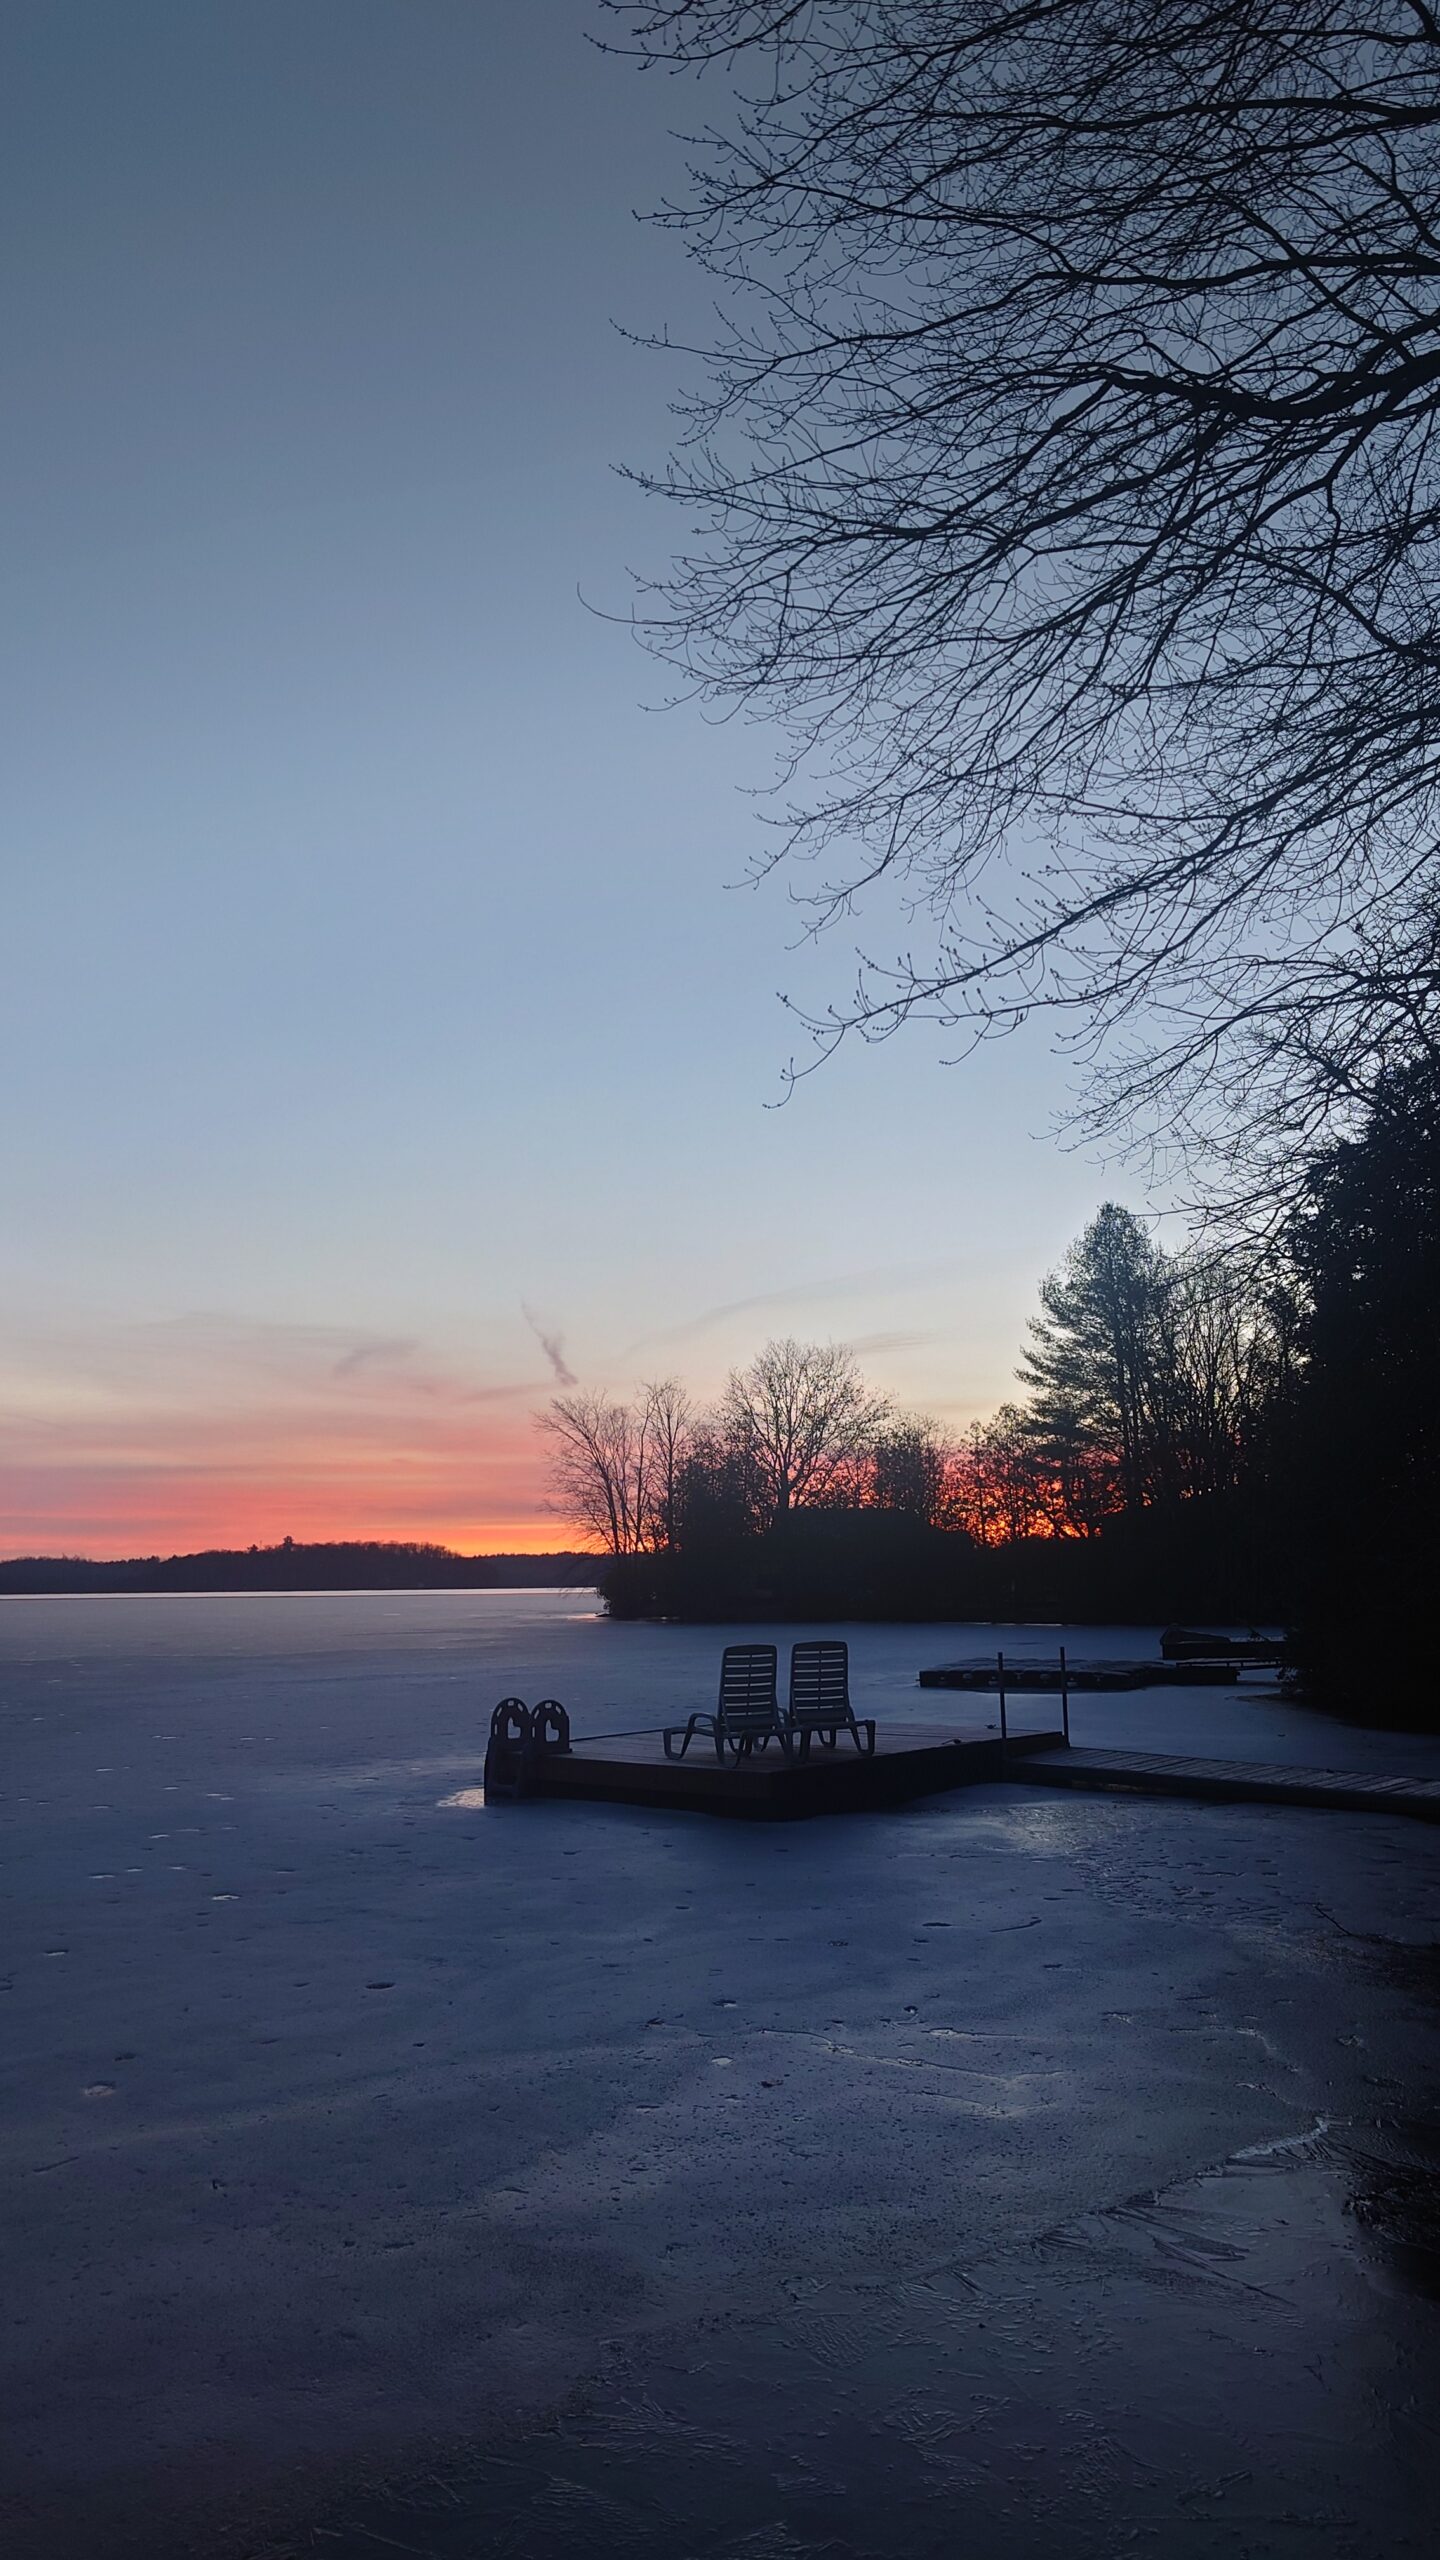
(1064, 476)
(617, 1467)
(665, 1431)
(598, 1471)
(1226, 1360)
(800, 1415)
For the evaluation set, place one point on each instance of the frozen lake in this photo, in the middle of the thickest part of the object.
(550, 2180)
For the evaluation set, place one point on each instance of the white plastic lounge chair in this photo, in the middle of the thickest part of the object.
(820, 1698)
(747, 1712)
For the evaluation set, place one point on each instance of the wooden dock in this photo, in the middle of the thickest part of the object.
(1156, 1773)
(908, 1760)
(920, 1760)
(1047, 1679)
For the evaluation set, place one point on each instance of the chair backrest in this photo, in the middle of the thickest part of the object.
(747, 1688)
(820, 1681)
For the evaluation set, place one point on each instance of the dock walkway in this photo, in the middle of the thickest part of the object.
(1042, 1679)
(1157, 1773)
(918, 1760)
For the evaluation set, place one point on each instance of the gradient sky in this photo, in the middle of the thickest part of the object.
(371, 973)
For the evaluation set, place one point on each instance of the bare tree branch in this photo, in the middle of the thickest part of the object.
(1064, 477)
(800, 1415)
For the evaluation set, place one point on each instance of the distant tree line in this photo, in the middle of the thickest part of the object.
(1133, 1472)
(347, 1564)
(1197, 1432)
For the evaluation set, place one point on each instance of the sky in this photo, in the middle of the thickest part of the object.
(383, 999)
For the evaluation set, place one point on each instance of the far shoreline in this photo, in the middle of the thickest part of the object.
(290, 1564)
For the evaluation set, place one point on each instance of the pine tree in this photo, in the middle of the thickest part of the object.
(1092, 1370)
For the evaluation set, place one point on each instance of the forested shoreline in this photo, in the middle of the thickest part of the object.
(1237, 1430)
(1060, 478)
(347, 1564)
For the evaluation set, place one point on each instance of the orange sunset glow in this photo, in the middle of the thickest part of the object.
(207, 1432)
(153, 1509)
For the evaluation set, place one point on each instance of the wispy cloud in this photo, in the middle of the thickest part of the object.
(868, 1346)
(382, 1353)
(553, 1346)
(877, 1282)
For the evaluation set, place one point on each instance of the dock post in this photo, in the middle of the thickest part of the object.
(1000, 1668)
(1064, 1696)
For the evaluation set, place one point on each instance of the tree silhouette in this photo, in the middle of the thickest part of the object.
(617, 1468)
(1064, 476)
(1091, 1369)
(1365, 1467)
(800, 1414)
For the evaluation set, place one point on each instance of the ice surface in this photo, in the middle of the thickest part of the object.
(577, 2179)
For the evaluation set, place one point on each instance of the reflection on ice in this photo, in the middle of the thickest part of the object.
(1194, 2372)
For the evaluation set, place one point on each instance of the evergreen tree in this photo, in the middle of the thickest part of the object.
(1092, 1370)
(1366, 1460)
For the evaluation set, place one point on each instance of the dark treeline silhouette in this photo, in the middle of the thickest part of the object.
(1134, 1477)
(1364, 1462)
(347, 1564)
(1198, 1434)
(1061, 476)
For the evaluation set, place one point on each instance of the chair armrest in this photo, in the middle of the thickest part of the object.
(698, 1723)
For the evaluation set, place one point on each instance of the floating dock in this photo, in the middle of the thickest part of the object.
(1164, 1773)
(908, 1760)
(1046, 1679)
